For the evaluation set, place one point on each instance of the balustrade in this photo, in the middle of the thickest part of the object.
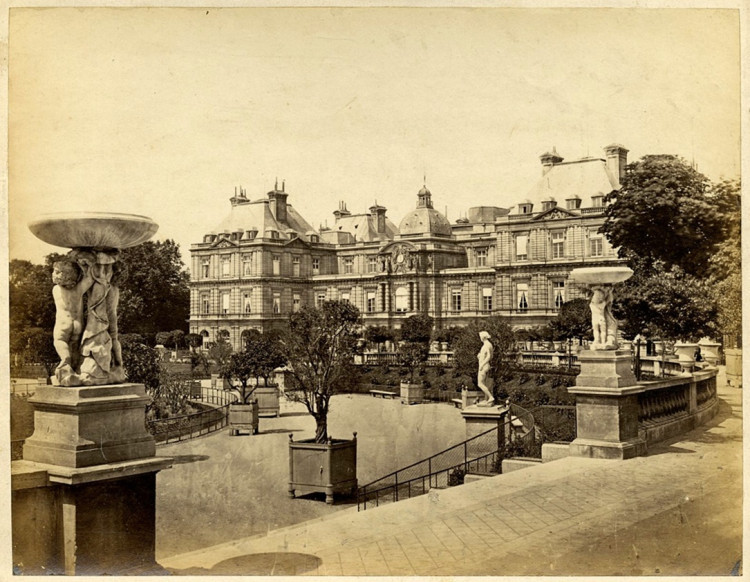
(664, 404)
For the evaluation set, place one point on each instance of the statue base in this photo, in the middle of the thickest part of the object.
(89, 425)
(480, 419)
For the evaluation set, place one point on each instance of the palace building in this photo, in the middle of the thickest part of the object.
(264, 260)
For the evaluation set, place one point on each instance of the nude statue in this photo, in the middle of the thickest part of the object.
(603, 322)
(72, 278)
(484, 381)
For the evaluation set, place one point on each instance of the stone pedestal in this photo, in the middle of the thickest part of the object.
(606, 407)
(470, 398)
(412, 393)
(480, 419)
(84, 497)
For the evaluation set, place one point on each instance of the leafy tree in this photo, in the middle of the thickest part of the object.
(194, 340)
(573, 320)
(468, 344)
(320, 345)
(199, 361)
(141, 364)
(170, 397)
(378, 334)
(448, 334)
(155, 296)
(414, 347)
(261, 356)
(40, 349)
(30, 297)
(178, 338)
(164, 338)
(220, 352)
(663, 213)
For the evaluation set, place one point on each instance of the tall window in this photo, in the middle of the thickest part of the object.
(402, 298)
(370, 301)
(456, 300)
(559, 293)
(247, 265)
(247, 302)
(558, 245)
(316, 266)
(295, 266)
(225, 303)
(296, 302)
(276, 265)
(487, 298)
(348, 266)
(205, 304)
(206, 268)
(346, 297)
(320, 299)
(481, 255)
(372, 265)
(522, 247)
(277, 302)
(522, 296)
(596, 246)
(226, 267)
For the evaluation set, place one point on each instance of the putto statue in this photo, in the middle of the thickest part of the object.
(484, 381)
(86, 291)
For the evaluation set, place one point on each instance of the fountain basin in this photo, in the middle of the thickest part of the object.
(601, 275)
(103, 230)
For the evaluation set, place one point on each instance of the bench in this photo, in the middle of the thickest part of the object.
(457, 402)
(383, 394)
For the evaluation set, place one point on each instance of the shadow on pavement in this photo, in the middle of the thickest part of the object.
(183, 459)
(285, 414)
(270, 564)
(278, 430)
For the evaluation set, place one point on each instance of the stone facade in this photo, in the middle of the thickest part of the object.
(265, 261)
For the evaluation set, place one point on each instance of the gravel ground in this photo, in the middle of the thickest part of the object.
(222, 488)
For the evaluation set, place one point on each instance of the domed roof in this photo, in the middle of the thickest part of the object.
(424, 219)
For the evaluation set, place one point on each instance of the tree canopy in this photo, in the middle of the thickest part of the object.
(260, 357)
(664, 212)
(414, 348)
(320, 345)
(573, 320)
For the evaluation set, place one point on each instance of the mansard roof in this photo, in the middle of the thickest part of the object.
(363, 227)
(257, 215)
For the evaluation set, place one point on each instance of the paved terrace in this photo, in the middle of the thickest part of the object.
(677, 511)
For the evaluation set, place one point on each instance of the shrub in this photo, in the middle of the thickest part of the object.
(541, 379)
(523, 378)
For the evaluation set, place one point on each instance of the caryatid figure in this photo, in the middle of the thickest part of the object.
(484, 381)
(603, 322)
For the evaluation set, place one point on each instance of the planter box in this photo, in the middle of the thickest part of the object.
(329, 468)
(243, 417)
(195, 389)
(411, 393)
(268, 400)
(733, 357)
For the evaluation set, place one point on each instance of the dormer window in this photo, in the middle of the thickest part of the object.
(314, 238)
(573, 203)
(548, 204)
(525, 208)
(597, 201)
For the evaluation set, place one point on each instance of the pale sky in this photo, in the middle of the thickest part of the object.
(162, 112)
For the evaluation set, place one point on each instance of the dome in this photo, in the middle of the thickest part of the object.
(424, 221)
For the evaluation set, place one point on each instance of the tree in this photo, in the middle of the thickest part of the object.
(141, 363)
(260, 357)
(378, 334)
(468, 344)
(40, 349)
(194, 340)
(320, 345)
(573, 320)
(30, 297)
(414, 347)
(220, 352)
(155, 295)
(164, 338)
(178, 338)
(663, 213)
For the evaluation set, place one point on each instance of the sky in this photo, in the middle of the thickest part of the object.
(163, 112)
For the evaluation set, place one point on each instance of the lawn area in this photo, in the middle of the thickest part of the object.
(223, 488)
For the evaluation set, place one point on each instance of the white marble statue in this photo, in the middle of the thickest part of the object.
(484, 381)
(603, 322)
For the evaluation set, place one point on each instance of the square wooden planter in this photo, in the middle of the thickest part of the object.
(243, 417)
(329, 468)
(412, 393)
(268, 400)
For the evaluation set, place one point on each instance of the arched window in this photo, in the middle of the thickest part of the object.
(402, 298)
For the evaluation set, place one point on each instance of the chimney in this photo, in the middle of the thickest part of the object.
(342, 211)
(617, 159)
(278, 202)
(379, 213)
(549, 159)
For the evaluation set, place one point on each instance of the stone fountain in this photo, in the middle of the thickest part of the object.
(606, 389)
(88, 473)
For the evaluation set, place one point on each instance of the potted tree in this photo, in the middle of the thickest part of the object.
(243, 414)
(413, 352)
(266, 355)
(320, 347)
(220, 352)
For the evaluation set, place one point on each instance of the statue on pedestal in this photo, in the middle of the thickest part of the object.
(484, 381)
(603, 322)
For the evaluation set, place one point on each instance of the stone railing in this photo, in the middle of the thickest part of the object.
(676, 404)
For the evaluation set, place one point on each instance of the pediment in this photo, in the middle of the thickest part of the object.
(298, 243)
(554, 214)
(224, 243)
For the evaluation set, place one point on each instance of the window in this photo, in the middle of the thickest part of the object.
(558, 245)
(346, 297)
(597, 201)
(402, 299)
(487, 298)
(522, 295)
(456, 300)
(525, 208)
(372, 265)
(316, 266)
(277, 302)
(225, 303)
(314, 238)
(205, 304)
(481, 255)
(276, 265)
(559, 293)
(573, 203)
(348, 266)
(226, 267)
(522, 247)
(370, 301)
(247, 265)
(320, 299)
(296, 302)
(596, 246)
(206, 268)
(247, 302)
(295, 266)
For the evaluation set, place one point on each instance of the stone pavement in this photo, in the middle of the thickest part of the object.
(677, 511)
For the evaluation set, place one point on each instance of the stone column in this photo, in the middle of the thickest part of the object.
(480, 419)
